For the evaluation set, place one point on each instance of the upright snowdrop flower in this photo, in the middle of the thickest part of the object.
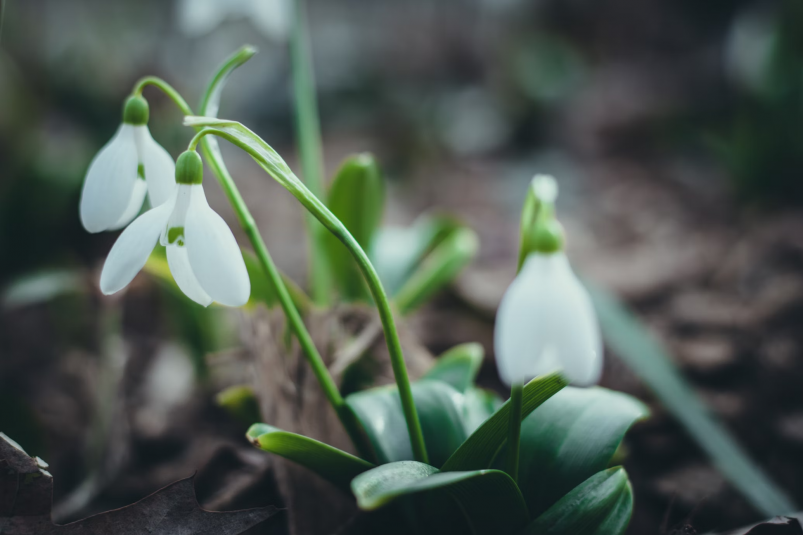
(202, 253)
(546, 321)
(130, 165)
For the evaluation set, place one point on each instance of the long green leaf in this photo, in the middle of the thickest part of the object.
(458, 366)
(440, 410)
(489, 499)
(356, 197)
(332, 464)
(479, 450)
(440, 267)
(633, 343)
(601, 505)
(308, 136)
(569, 438)
(210, 103)
(479, 404)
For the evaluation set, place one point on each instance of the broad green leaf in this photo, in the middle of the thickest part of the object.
(397, 251)
(263, 291)
(440, 410)
(478, 405)
(634, 344)
(241, 403)
(458, 367)
(569, 438)
(601, 505)
(332, 464)
(438, 269)
(479, 450)
(356, 197)
(489, 499)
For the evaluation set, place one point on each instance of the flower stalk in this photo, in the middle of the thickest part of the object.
(514, 432)
(247, 222)
(275, 166)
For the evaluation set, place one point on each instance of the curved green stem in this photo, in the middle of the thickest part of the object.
(277, 168)
(215, 161)
(166, 88)
(514, 432)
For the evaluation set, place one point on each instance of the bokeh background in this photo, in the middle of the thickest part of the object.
(673, 127)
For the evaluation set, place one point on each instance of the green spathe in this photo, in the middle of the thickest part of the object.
(135, 111)
(189, 168)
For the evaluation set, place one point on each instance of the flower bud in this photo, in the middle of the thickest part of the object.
(189, 168)
(135, 111)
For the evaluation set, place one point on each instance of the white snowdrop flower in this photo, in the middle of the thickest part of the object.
(546, 321)
(202, 253)
(130, 165)
(198, 17)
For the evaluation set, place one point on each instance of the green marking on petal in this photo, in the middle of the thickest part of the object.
(176, 235)
(141, 172)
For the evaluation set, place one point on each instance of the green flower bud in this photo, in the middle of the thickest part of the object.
(135, 111)
(547, 237)
(189, 168)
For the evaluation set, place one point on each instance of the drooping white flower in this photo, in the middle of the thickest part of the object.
(546, 321)
(202, 253)
(130, 165)
(198, 17)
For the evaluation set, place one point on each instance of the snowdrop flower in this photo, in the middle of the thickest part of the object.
(198, 17)
(546, 321)
(129, 166)
(202, 253)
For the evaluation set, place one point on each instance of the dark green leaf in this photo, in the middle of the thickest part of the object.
(488, 499)
(332, 464)
(356, 197)
(601, 505)
(458, 367)
(479, 405)
(440, 410)
(634, 344)
(479, 450)
(438, 269)
(569, 438)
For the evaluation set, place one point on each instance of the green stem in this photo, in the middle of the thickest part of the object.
(215, 161)
(514, 432)
(166, 88)
(286, 178)
(308, 135)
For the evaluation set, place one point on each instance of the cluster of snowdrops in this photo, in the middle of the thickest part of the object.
(439, 453)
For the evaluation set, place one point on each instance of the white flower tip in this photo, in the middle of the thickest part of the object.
(545, 188)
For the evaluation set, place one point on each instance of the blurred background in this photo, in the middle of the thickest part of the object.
(672, 126)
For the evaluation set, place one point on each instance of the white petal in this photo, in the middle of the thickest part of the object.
(160, 169)
(134, 205)
(110, 181)
(179, 264)
(132, 248)
(271, 17)
(214, 255)
(197, 17)
(545, 322)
